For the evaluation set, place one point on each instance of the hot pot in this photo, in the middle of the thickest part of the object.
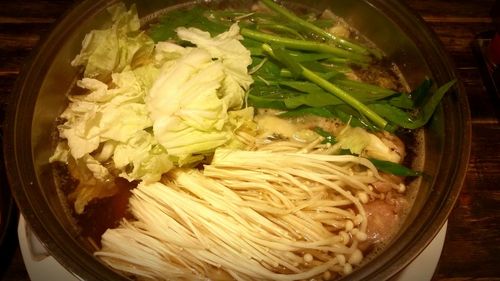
(39, 97)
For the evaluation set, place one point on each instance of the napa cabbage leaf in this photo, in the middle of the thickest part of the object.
(363, 143)
(197, 87)
(144, 108)
(112, 49)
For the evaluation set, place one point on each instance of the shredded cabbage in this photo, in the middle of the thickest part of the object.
(231, 53)
(189, 102)
(149, 107)
(361, 142)
(113, 49)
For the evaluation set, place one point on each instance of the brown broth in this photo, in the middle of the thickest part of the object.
(105, 213)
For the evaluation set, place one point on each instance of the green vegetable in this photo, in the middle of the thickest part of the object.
(394, 168)
(329, 75)
(317, 97)
(304, 45)
(344, 96)
(194, 17)
(326, 85)
(303, 57)
(308, 26)
(260, 102)
(369, 90)
(318, 111)
(414, 99)
(420, 94)
(402, 101)
(374, 107)
(329, 138)
(280, 28)
(338, 112)
(407, 119)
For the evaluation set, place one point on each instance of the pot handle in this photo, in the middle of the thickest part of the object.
(41, 266)
(35, 248)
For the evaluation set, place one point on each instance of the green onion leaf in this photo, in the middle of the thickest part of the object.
(420, 94)
(305, 45)
(329, 138)
(308, 26)
(394, 168)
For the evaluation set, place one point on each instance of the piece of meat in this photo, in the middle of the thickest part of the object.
(384, 218)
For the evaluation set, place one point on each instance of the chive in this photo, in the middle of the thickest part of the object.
(317, 97)
(405, 119)
(329, 138)
(365, 87)
(330, 112)
(314, 99)
(402, 101)
(302, 45)
(282, 56)
(394, 168)
(313, 28)
(395, 115)
(420, 93)
(285, 73)
(280, 28)
(318, 111)
(262, 102)
(431, 104)
(301, 57)
(194, 17)
(325, 84)
(344, 96)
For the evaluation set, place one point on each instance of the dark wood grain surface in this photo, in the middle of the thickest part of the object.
(472, 247)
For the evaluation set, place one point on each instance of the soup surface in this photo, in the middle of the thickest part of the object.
(256, 143)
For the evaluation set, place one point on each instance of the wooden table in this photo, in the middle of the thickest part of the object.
(472, 246)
